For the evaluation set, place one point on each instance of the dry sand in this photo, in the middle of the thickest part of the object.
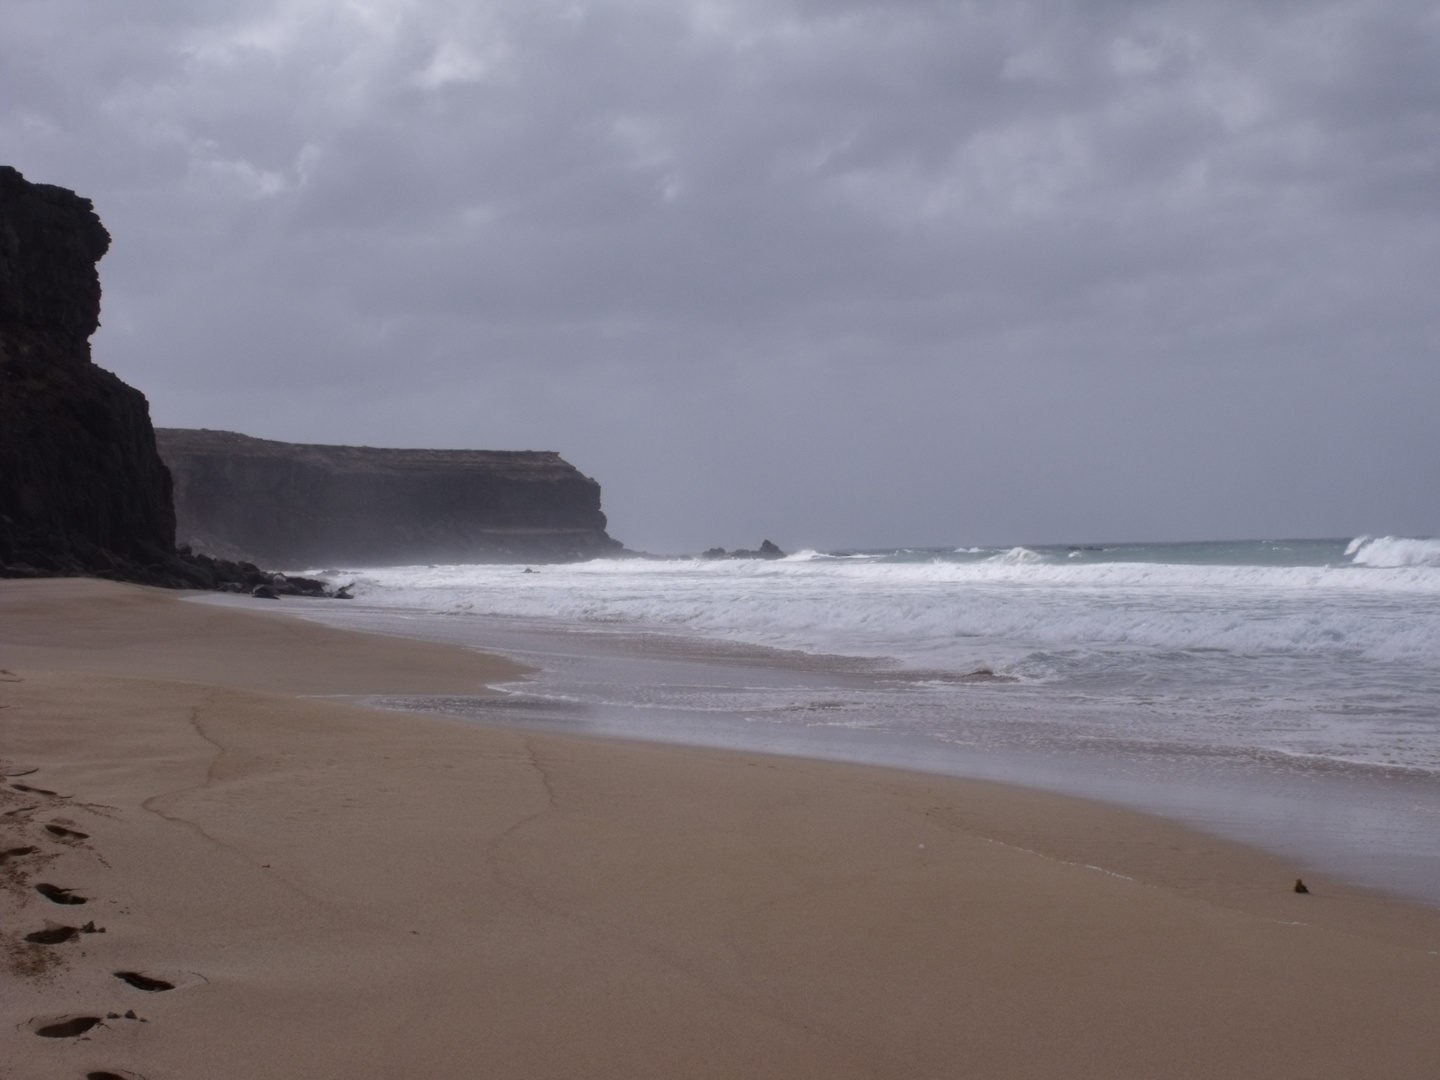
(339, 892)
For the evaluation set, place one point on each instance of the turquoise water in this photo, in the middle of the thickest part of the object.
(1185, 553)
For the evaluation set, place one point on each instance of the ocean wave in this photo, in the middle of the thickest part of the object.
(1020, 555)
(1024, 566)
(1286, 645)
(942, 612)
(1391, 552)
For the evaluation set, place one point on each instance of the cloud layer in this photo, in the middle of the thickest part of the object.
(840, 273)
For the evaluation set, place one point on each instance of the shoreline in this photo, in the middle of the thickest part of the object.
(1371, 825)
(336, 890)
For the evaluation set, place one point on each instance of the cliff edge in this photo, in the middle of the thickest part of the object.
(296, 504)
(82, 488)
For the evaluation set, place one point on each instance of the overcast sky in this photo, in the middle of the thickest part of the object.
(833, 273)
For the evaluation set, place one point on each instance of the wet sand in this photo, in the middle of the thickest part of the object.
(333, 891)
(1371, 826)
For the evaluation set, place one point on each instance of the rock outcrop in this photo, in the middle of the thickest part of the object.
(292, 504)
(82, 487)
(766, 550)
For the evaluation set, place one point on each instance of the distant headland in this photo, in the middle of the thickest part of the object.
(297, 504)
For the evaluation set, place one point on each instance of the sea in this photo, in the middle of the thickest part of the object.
(1284, 693)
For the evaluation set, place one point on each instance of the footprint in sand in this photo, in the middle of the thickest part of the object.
(15, 853)
(74, 1025)
(54, 934)
(144, 982)
(56, 895)
(67, 1027)
(102, 1074)
(38, 790)
(66, 834)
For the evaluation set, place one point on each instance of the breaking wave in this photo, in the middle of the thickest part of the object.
(1383, 605)
(1393, 551)
(1320, 648)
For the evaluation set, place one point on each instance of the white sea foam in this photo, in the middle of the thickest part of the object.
(1394, 551)
(1258, 659)
(1289, 647)
(938, 611)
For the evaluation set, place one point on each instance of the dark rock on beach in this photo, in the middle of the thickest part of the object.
(296, 504)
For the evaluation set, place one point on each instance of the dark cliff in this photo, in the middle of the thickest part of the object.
(82, 487)
(296, 505)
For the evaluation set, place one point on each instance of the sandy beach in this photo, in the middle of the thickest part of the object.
(332, 891)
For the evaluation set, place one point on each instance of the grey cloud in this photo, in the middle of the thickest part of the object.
(846, 273)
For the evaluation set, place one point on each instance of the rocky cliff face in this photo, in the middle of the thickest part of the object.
(297, 505)
(82, 487)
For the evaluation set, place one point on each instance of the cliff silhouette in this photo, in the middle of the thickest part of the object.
(82, 487)
(297, 504)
